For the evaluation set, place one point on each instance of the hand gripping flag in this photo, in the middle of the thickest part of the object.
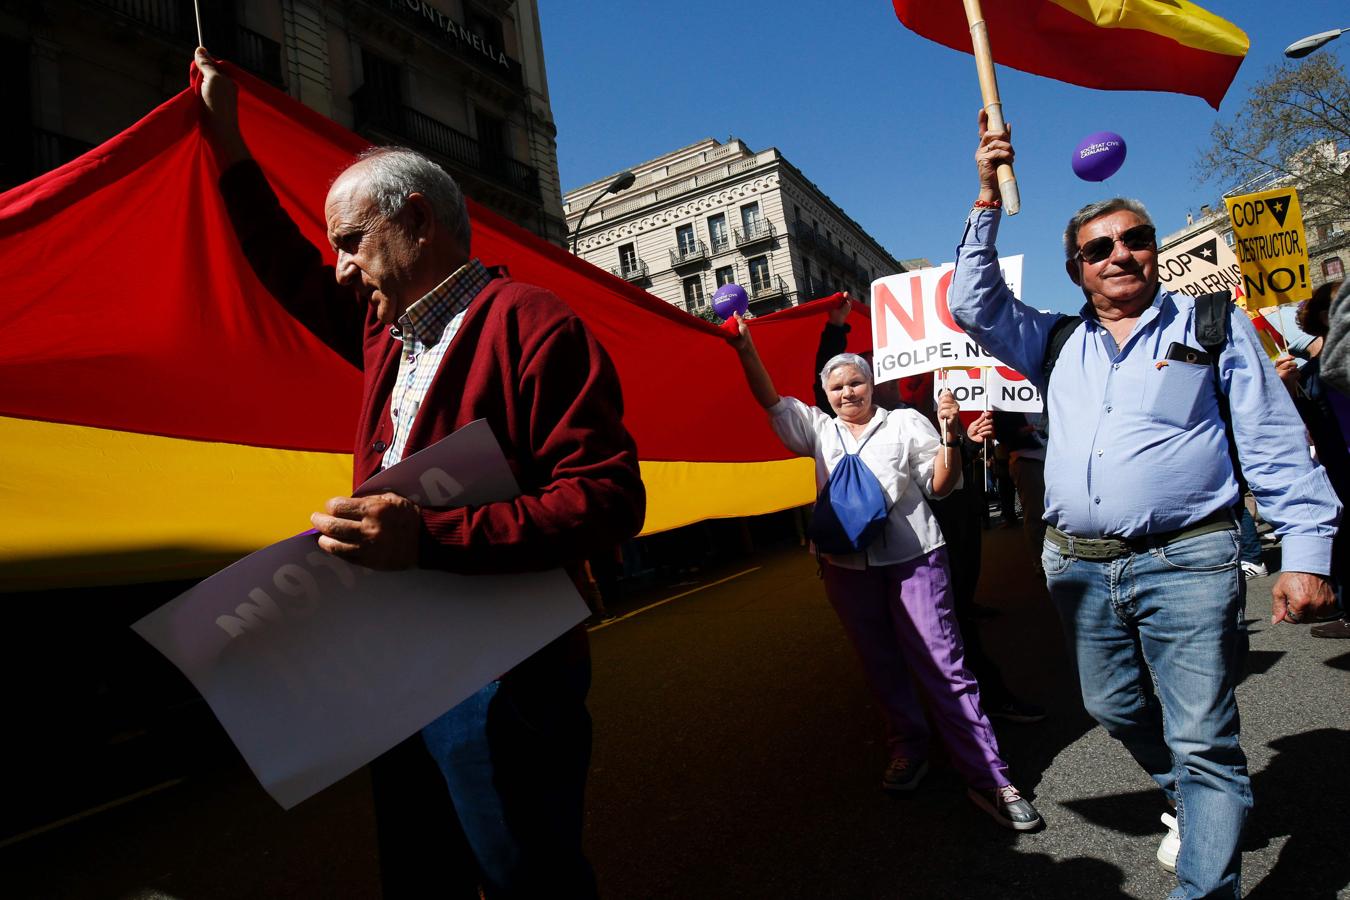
(1116, 45)
(161, 416)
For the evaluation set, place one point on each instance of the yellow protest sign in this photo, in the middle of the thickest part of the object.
(1270, 245)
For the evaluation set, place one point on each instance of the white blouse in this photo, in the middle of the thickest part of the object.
(901, 453)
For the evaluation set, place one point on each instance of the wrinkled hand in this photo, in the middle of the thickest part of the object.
(1299, 598)
(982, 428)
(742, 341)
(1287, 369)
(839, 315)
(220, 110)
(949, 411)
(995, 149)
(379, 531)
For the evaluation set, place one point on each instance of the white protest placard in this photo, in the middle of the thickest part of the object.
(912, 327)
(315, 666)
(1201, 264)
(1008, 390)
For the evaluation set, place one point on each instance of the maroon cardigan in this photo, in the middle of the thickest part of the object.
(521, 359)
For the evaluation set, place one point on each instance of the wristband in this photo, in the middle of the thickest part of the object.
(987, 204)
(956, 445)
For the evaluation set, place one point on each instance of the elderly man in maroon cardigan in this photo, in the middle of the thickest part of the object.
(443, 341)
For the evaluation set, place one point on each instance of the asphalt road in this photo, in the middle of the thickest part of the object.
(738, 754)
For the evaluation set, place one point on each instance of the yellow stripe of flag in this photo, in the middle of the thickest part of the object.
(1184, 22)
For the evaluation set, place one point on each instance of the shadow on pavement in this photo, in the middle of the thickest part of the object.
(1259, 662)
(1341, 662)
(1293, 798)
(1302, 793)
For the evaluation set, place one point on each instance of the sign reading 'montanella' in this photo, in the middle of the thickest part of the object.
(432, 17)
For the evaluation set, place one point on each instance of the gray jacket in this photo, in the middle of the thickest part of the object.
(1336, 348)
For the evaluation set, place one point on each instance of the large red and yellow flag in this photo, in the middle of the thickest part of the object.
(160, 415)
(1118, 45)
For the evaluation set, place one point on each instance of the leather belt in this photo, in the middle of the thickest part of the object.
(1107, 548)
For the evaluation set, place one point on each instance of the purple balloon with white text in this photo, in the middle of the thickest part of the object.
(729, 299)
(1099, 156)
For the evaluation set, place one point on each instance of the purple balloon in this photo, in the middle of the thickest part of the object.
(728, 299)
(1099, 156)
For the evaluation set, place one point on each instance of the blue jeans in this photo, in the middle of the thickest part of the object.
(491, 793)
(1248, 540)
(1157, 637)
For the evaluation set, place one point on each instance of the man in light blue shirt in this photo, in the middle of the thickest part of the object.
(1141, 553)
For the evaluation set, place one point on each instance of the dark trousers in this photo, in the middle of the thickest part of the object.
(491, 793)
(958, 515)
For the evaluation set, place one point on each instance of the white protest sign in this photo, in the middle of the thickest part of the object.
(1201, 264)
(912, 327)
(1007, 389)
(315, 666)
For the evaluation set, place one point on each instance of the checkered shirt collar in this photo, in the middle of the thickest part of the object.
(426, 319)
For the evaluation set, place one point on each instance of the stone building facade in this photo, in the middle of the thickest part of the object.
(718, 212)
(461, 80)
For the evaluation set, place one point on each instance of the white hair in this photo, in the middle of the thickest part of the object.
(390, 174)
(845, 359)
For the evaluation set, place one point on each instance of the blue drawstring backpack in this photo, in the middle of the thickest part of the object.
(851, 509)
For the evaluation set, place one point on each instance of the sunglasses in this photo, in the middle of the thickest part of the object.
(1140, 237)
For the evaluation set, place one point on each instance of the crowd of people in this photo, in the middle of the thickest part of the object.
(1131, 500)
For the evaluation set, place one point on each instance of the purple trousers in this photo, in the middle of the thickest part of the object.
(901, 622)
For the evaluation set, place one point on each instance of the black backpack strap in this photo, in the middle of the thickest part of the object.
(1054, 344)
(1211, 322)
(1211, 330)
(1059, 336)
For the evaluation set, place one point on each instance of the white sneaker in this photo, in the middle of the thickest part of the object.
(1254, 570)
(1171, 844)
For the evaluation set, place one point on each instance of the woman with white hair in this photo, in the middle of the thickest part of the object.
(893, 595)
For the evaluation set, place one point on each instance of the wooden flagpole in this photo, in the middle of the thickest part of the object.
(984, 448)
(946, 451)
(993, 106)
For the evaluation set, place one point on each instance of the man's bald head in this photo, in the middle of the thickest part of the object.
(388, 175)
(399, 226)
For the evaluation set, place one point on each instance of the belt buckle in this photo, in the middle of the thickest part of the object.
(1069, 550)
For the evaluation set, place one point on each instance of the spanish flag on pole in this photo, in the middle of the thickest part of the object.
(1114, 45)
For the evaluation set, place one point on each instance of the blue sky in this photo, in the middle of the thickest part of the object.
(880, 119)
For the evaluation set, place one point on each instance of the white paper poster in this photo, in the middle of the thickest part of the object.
(315, 666)
(1201, 264)
(912, 327)
(1001, 389)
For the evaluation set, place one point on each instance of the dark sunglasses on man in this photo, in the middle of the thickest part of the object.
(1140, 237)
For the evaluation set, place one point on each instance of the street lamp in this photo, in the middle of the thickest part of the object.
(622, 182)
(1303, 46)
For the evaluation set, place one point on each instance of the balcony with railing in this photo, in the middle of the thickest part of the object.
(260, 55)
(434, 137)
(175, 21)
(688, 254)
(821, 287)
(805, 234)
(171, 17)
(755, 232)
(766, 287)
(633, 270)
(768, 294)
